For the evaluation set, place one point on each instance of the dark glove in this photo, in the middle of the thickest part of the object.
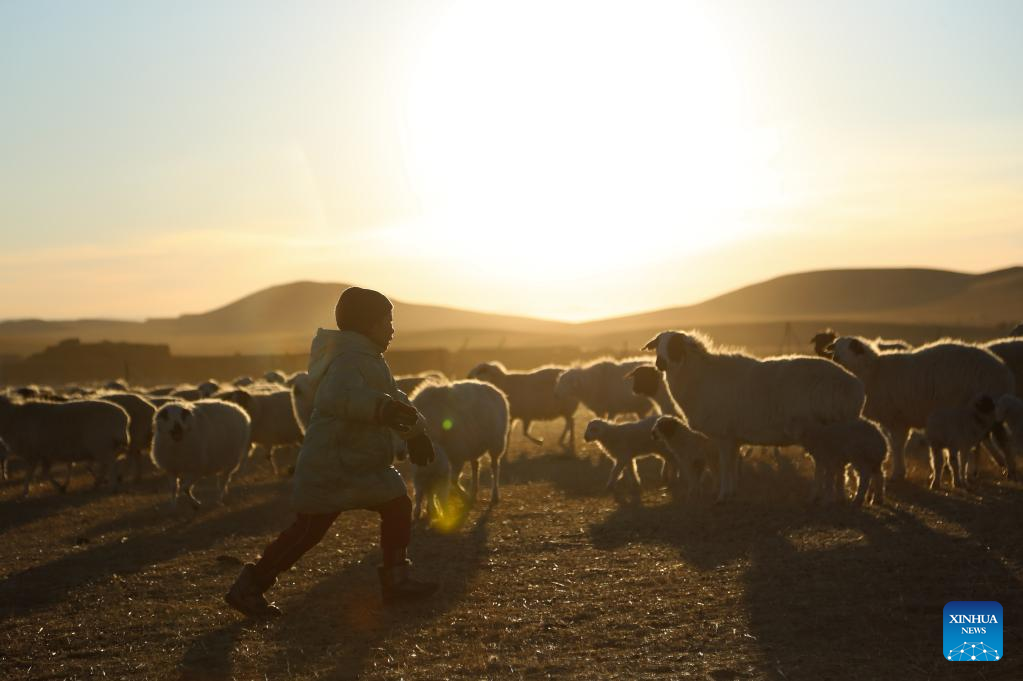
(420, 450)
(396, 415)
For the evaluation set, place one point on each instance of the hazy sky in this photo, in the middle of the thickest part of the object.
(571, 160)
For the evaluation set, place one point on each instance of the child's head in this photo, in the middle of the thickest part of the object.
(367, 312)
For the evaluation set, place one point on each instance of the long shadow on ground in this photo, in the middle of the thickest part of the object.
(338, 628)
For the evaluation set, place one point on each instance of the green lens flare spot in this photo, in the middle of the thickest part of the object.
(447, 424)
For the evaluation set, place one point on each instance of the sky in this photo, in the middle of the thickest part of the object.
(569, 160)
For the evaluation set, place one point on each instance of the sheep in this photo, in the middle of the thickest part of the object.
(468, 419)
(601, 387)
(432, 484)
(1009, 412)
(243, 382)
(1017, 331)
(194, 440)
(860, 444)
(140, 428)
(904, 388)
(626, 442)
(41, 433)
(161, 390)
(695, 453)
(273, 421)
(736, 399)
(188, 394)
(647, 380)
(954, 431)
(531, 397)
(208, 388)
(274, 376)
(822, 340)
(408, 384)
(160, 401)
(117, 385)
(303, 393)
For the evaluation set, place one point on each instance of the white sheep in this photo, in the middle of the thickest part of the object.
(5, 454)
(648, 381)
(952, 432)
(860, 444)
(41, 433)
(274, 425)
(531, 397)
(695, 453)
(140, 429)
(626, 442)
(275, 376)
(468, 419)
(737, 399)
(905, 388)
(602, 387)
(198, 439)
(825, 338)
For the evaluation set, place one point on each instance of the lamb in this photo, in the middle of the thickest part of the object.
(140, 428)
(194, 440)
(626, 442)
(273, 421)
(736, 399)
(41, 433)
(647, 380)
(694, 452)
(531, 397)
(601, 387)
(432, 484)
(822, 340)
(953, 432)
(905, 388)
(467, 419)
(860, 444)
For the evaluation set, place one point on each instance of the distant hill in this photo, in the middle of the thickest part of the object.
(282, 318)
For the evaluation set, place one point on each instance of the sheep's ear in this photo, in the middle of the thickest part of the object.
(652, 343)
(857, 346)
(632, 373)
(676, 348)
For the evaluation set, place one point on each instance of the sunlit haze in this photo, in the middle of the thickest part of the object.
(570, 160)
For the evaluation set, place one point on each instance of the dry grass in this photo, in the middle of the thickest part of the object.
(557, 581)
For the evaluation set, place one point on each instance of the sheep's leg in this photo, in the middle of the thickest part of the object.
(475, 465)
(526, 423)
(863, 486)
(30, 474)
(223, 481)
(728, 460)
(971, 464)
(188, 487)
(898, 439)
(616, 472)
(955, 459)
(937, 466)
(998, 446)
(568, 432)
(669, 471)
(455, 474)
(818, 479)
(495, 475)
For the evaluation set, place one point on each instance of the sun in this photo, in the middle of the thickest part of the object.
(560, 127)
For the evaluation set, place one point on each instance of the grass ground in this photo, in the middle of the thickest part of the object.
(555, 581)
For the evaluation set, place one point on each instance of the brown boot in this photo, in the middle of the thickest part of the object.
(246, 595)
(397, 586)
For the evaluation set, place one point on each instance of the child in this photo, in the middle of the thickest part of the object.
(346, 457)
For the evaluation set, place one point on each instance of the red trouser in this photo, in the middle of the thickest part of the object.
(309, 528)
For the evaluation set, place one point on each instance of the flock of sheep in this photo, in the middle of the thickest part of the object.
(856, 405)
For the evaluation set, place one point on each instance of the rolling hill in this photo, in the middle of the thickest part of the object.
(282, 318)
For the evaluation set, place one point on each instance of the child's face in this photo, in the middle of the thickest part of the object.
(383, 331)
